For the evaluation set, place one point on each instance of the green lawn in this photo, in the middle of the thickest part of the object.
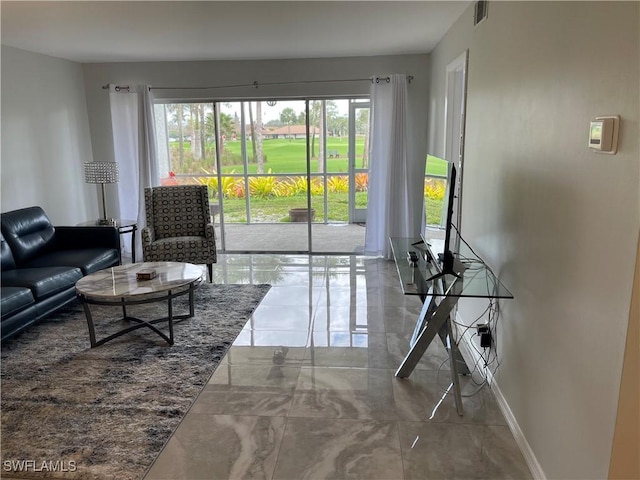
(289, 156)
(276, 209)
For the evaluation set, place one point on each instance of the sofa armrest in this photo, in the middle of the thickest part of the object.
(71, 238)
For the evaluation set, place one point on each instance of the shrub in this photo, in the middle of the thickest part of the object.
(296, 185)
(286, 188)
(338, 184)
(317, 187)
(230, 158)
(362, 182)
(231, 187)
(434, 189)
(236, 190)
(262, 186)
(210, 182)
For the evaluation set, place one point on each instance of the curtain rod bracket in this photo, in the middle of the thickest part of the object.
(388, 79)
(117, 88)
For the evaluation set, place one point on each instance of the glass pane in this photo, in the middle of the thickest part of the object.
(185, 142)
(338, 198)
(232, 142)
(436, 167)
(186, 147)
(362, 189)
(260, 207)
(361, 162)
(337, 121)
(435, 187)
(362, 138)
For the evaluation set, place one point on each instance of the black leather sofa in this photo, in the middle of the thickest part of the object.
(40, 264)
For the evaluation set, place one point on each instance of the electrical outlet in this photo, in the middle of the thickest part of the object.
(485, 339)
(482, 328)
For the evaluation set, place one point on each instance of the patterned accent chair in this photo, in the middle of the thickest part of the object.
(179, 227)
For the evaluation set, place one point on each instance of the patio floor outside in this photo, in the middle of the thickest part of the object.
(332, 238)
(292, 237)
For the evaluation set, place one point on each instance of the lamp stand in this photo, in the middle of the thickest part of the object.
(104, 220)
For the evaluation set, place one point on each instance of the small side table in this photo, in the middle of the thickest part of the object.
(123, 226)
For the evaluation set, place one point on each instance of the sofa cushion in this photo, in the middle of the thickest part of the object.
(15, 299)
(29, 233)
(88, 260)
(43, 282)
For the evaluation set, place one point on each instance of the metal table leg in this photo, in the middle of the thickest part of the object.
(434, 319)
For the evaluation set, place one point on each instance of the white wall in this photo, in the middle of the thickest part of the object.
(232, 73)
(45, 137)
(558, 223)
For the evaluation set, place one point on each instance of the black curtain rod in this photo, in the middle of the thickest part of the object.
(256, 84)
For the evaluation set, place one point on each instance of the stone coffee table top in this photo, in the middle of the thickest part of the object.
(121, 282)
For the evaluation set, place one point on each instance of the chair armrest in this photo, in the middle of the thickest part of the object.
(147, 236)
(72, 238)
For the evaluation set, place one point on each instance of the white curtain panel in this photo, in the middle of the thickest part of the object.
(134, 146)
(394, 192)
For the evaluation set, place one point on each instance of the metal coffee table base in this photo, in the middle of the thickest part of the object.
(139, 323)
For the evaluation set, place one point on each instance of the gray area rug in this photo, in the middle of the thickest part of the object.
(70, 411)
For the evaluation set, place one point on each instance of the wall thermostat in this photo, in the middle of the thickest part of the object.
(603, 134)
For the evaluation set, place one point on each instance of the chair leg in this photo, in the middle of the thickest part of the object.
(210, 270)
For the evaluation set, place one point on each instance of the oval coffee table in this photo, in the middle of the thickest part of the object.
(119, 286)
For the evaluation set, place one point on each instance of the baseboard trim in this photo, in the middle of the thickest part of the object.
(468, 351)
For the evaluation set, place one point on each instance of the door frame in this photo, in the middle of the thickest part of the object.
(455, 120)
(356, 215)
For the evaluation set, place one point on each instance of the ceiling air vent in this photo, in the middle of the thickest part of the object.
(480, 12)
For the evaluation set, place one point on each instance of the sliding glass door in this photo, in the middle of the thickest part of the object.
(263, 168)
(283, 175)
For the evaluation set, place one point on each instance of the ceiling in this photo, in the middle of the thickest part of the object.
(121, 31)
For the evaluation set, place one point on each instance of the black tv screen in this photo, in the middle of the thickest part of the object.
(447, 253)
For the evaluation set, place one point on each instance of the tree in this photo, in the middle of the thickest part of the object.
(194, 128)
(288, 117)
(252, 126)
(259, 127)
(256, 135)
(179, 119)
(316, 121)
(362, 128)
(340, 126)
(203, 134)
(332, 115)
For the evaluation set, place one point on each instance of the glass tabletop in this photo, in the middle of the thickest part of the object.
(477, 279)
(119, 223)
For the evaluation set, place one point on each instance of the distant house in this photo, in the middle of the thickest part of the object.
(289, 131)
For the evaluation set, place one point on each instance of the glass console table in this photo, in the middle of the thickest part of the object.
(472, 279)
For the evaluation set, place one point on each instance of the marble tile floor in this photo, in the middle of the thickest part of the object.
(307, 390)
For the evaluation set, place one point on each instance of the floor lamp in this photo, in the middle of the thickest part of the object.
(102, 172)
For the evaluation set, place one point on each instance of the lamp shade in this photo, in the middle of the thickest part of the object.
(101, 172)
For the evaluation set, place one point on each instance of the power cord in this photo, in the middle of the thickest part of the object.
(486, 358)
